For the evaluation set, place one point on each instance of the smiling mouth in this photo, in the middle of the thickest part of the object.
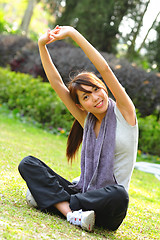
(99, 104)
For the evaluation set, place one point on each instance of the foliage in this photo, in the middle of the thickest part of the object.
(30, 97)
(153, 53)
(22, 55)
(33, 98)
(2, 23)
(134, 19)
(149, 132)
(135, 15)
(146, 157)
(54, 7)
(6, 27)
(97, 21)
(13, 13)
(141, 86)
(18, 221)
(102, 23)
(107, 20)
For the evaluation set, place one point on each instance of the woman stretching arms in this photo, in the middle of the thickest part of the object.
(110, 135)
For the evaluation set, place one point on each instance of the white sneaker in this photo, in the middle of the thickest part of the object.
(85, 220)
(30, 199)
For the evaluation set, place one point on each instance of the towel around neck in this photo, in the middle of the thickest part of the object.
(97, 155)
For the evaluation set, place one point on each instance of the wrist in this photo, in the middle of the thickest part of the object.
(41, 44)
(71, 32)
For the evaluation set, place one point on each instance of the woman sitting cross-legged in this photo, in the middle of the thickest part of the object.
(108, 131)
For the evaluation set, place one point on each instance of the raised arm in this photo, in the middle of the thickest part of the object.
(55, 78)
(123, 101)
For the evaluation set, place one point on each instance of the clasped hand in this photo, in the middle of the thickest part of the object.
(58, 33)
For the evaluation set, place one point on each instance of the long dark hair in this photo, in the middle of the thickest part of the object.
(76, 132)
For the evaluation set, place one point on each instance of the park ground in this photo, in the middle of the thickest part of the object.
(19, 221)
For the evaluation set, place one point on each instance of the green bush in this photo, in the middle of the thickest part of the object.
(2, 22)
(149, 135)
(31, 97)
(6, 27)
(34, 98)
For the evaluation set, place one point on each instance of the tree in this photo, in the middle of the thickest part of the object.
(153, 53)
(136, 16)
(152, 26)
(98, 21)
(52, 6)
(27, 16)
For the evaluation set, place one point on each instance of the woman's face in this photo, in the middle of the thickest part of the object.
(94, 101)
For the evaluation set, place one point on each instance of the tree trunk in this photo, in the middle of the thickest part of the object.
(131, 50)
(142, 44)
(27, 16)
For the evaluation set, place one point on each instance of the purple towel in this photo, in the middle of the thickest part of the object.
(97, 155)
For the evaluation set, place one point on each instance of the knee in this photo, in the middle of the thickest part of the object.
(119, 197)
(123, 196)
(23, 164)
(118, 206)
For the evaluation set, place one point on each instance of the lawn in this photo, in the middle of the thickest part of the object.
(18, 221)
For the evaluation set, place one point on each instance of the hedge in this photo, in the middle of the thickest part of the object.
(36, 99)
(149, 135)
(22, 55)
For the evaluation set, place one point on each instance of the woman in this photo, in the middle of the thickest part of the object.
(109, 148)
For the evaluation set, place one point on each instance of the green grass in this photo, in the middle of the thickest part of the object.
(18, 221)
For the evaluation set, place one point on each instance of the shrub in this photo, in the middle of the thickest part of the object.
(149, 132)
(6, 27)
(33, 98)
(23, 56)
(2, 22)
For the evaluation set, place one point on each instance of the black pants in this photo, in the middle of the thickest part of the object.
(48, 188)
